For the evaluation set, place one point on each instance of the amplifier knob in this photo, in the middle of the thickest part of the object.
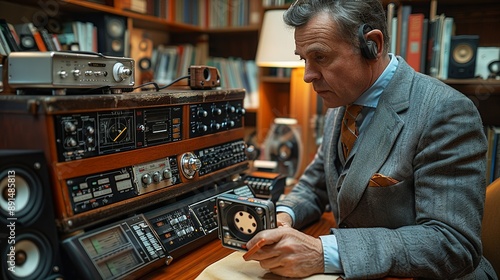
(202, 128)
(215, 126)
(167, 174)
(241, 111)
(70, 142)
(76, 73)
(69, 127)
(156, 177)
(216, 111)
(146, 179)
(230, 109)
(190, 164)
(202, 113)
(120, 72)
(63, 74)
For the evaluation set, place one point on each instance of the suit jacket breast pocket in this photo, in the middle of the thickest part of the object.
(380, 180)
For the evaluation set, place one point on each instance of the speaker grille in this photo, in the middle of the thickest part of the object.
(31, 259)
(29, 242)
(20, 190)
(463, 53)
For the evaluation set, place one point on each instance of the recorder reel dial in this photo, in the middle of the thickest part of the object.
(284, 146)
(240, 218)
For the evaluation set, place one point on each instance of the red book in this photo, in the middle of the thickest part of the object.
(414, 46)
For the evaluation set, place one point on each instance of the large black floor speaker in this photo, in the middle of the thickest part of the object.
(29, 244)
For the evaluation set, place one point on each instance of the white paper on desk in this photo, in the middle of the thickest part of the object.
(234, 267)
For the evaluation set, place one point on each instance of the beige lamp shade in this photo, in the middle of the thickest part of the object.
(276, 43)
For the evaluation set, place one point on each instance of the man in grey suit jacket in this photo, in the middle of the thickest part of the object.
(408, 199)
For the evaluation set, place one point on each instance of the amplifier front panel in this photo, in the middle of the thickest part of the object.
(113, 155)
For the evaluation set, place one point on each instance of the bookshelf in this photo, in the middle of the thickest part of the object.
(237, 40)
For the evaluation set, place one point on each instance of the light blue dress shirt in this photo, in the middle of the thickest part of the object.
(369, 99)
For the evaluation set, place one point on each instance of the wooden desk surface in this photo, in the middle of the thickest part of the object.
(192, 264)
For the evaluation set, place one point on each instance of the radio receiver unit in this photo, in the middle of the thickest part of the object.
(116, 154)
(61, 72)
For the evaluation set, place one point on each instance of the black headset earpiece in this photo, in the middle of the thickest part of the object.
(368, 48)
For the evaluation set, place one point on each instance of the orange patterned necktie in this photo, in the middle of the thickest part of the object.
(349, 131)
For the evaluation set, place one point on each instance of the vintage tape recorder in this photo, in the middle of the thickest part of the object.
(31, 71)
(241, 218)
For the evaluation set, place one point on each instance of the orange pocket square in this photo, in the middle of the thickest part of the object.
(379, 180)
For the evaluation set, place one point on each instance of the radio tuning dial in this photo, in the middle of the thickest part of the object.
(120, 72)
(190, 164)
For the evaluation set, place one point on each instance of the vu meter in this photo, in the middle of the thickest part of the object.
(116, 131)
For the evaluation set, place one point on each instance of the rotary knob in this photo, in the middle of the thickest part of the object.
(156, 177)
(167, 174)
(202, 113)
(63, 74)
(190, 164)
(215, 126)
(240, 111)
(120, 72)
(230, 109)
(216, 111)
(202, 128)
(146, 179)
(70, 142)
(69, 127)
(76, 73)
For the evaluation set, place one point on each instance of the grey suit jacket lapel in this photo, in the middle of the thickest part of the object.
(376, 142)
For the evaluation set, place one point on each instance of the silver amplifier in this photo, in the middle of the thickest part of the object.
(69, 70)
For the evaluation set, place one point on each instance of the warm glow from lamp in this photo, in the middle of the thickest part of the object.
(276, 43)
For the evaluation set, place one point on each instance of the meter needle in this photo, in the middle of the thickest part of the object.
(118, 136)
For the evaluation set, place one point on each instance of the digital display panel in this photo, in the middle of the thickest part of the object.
(111, 252)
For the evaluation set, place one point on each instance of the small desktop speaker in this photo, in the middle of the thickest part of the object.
(463, 55)
(29, 244)
(111, 31)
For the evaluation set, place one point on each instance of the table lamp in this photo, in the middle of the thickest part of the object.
(276, 48)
